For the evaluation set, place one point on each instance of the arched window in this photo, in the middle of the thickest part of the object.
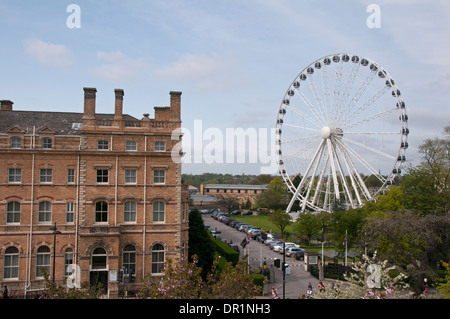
(158, 211)
(42, 261)
(16, 142)
(129, 259)
(13, 213)
(129, 212)
(99, 259)
(45, 212)
(101, 212)
(68, 260)
(157, 259)
(11, 263)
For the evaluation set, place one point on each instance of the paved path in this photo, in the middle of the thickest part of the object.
(297, 280)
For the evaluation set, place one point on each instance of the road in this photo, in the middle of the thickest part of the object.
(297, 278)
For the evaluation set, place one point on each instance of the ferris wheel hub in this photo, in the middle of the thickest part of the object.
(325, 132)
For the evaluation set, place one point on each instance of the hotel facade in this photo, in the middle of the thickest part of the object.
(96, 193)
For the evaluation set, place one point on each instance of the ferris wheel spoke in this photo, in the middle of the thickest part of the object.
(370, 148)
(303, 115)
(299, 139)
(371, 118)
(363, 87)
(310, 107)
(364, 106)
(350, 83)
(302, 127)
(300, 151)
(318, 98)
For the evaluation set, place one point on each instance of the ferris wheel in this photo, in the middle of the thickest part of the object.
(341, 133)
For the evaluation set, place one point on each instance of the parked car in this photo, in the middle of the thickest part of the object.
(278, 246)
(235, 247)
(247, 213)
(299, 255)
(292, 250)
(236, 212)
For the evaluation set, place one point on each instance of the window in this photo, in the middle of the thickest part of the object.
(70, 175)
(129, 259)
(14, 175)
(130, 176)
(157, 259)
(45, 212)
(160, 146)
(129, 212)
(45, 175)
(101, 212)
(131, 146)
(102, 176)
(98, 259)
(46, 143)
(11, 263)
(102, 145)
(159, 176)
(13, 213)
(42, 261)
(68, 260)
(158, 211)
(16, 142)
(69, 212)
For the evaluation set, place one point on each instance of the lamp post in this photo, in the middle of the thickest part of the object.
(55, 232)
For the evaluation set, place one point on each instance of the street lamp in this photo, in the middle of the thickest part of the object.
(55, 232)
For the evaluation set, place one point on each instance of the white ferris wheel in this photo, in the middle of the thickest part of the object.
(341, 133)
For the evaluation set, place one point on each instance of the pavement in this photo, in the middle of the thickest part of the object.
(296, 278)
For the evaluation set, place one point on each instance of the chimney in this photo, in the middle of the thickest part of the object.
(6, 105)
(175, 105)
(89, 103)
(119, 104)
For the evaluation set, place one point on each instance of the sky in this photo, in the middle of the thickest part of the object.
(233, 60)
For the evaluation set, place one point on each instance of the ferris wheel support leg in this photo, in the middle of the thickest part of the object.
(304, 179)
(333, 169)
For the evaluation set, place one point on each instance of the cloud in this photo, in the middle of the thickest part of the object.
(119, 68)
(54, 55)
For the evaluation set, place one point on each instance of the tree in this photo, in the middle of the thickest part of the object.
(369, 279)
(426, 187)
(281, 219)
(200, 243)
(409, 240)
(229, 202)
(308, 224)
(275, 196)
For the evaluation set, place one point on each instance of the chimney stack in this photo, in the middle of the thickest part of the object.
(89, 103)
(119, 104)
(6, 105)
(175, 105)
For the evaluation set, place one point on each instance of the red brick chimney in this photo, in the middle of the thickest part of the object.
(6, 105)
(89, 103)
(119, 104)
(175, 105)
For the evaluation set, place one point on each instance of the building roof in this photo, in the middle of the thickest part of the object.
(235, 186)
(60, 122)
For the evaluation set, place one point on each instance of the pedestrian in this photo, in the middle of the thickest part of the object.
(321, 286)
(426, 287)
(275, 293)
(310, 291)
(5, 292)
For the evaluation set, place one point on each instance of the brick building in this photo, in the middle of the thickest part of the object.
(241, 192)
(106, 181)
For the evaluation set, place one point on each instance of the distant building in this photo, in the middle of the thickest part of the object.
(242, 192)
(106, 181)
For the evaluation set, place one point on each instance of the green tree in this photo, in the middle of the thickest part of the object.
(276, 195)
(200, 243)
(307, 225)
(281, 219)
(426, 187)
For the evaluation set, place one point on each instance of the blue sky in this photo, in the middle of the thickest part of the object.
(233, 60)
